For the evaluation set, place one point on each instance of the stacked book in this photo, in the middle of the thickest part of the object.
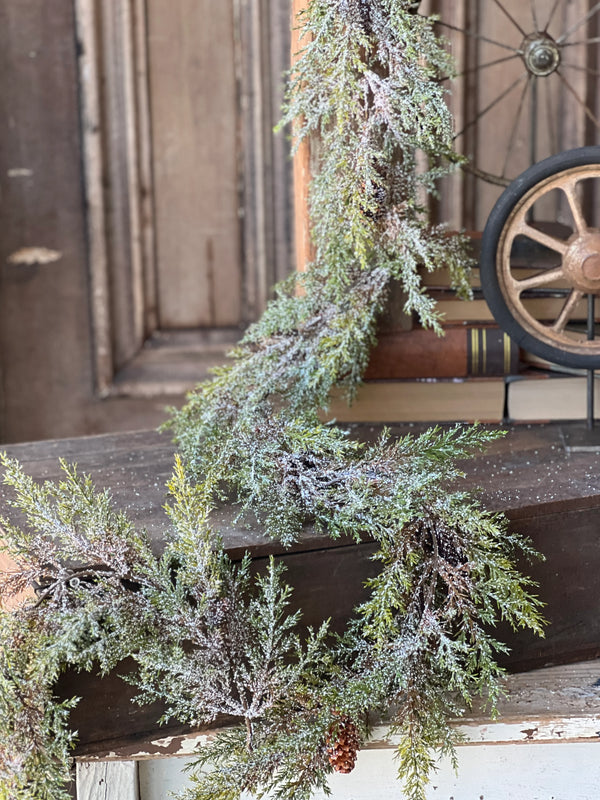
(474, 372)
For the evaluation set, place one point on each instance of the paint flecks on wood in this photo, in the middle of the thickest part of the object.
(34, 255)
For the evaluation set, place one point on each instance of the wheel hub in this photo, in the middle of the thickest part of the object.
(582, 262)
(541, 54)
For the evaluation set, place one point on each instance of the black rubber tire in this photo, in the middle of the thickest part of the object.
(492, 234)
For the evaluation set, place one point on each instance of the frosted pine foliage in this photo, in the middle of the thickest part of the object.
(215, 641)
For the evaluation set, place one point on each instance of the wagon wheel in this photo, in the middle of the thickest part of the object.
(528, 74)
(540, 279)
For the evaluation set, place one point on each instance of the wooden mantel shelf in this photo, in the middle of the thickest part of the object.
(549, 705)
(547, 493)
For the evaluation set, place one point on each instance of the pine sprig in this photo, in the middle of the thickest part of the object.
(215, 640)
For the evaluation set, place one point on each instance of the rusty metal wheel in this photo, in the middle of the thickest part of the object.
(527, 73)
(540, 258)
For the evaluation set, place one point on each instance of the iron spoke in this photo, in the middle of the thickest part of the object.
(551, 17)
(541, 279)
(566, 311)
(552, 129)
(476, 36)
(510, 17)
(534, 15)
(586, 109)
(479, 67)
(595, 40)
(575, 206)
(588, 70)
(551, 242)
(515, 125)
(491, 105)
(578, 25)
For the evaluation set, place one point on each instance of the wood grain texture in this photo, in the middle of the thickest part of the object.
(44, 327)
(500, 772)
(550, 704)
(263, 59)
(302, 165)
(194, 122)
(114, 781)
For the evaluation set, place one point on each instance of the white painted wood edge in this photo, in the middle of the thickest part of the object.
(101, 781)
(519, 731)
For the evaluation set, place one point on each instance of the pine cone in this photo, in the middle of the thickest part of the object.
(357, 12)
(343, 742)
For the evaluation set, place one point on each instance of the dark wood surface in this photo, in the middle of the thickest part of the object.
(547, 493)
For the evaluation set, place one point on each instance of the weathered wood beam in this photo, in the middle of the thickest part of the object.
(547, 493)
(302, 169)
(554, 704)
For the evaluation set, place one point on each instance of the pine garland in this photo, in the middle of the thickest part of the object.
(211, 639)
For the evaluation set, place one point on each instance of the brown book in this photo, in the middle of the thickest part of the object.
(458, 400)
(464, 350)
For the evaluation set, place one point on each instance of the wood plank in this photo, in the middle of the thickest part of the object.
(194, 123)
(302, 165)
(570, 771)
(108, 780)
(263, 59)
(547, 493)
(47, 385)
(43, 314)
(554, 704)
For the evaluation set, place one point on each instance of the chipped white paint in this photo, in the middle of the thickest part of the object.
(19, 172)
(544, 747)
(492, 772)
(523, 730)
(34, 255)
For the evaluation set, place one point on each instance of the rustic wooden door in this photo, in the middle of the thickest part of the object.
(145, 207)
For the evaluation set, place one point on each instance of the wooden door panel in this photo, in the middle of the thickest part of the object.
(137, 157)
(194, 128)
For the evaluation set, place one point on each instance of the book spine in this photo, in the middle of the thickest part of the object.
(490, 351)
(463, 351)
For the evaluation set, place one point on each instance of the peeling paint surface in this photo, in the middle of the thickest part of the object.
(34, 255)
(493, 772)
(19, 172)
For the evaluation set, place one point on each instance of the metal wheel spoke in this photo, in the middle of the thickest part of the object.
(551, 242)
(587, 111)
(595, 40)
(491, 105)
(552, 13)
(578, 24)
(533, 15)
(510, 17)
(515, 126)
(575, 206)
(541, 279)
(588, 70)
(495, 180)
(477, 36)
(551, 118)
(566, 311)
(480, 67)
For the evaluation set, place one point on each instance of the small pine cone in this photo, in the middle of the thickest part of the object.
(343, 742)
(357, 12)
(379, 196)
